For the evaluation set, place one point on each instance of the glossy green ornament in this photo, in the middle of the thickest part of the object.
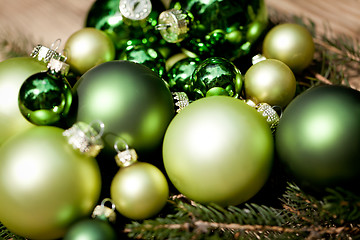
(221, 28)
(105, 15)
(45, 98)
(87, 48)
(147, 56)
(13, 72)
(270, 81)
(291, 44)
(180, 75)
(318, 137)
(91, 229)
(45, 185)
(216, 76)
(218, 149)
(131, 100)
(139, 191)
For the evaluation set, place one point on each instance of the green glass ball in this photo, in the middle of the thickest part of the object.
(45, 99)
(91, 229)
(291, 44)
(13, 72)
(318, 137)
(218, 149)
(131, 100)
(87, 48)
(180, 74)
(216, 76)
(139, 191)
(45, 185)
(270, 81)
(147, 56)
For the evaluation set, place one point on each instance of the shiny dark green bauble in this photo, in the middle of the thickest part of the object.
(45, 99)
(131, 100)
(318, 137)
(180, 75)
(147, 56)
(216, 76)
(91, 229)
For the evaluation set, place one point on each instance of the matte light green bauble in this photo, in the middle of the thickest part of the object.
(87, 48)
(216, 76)
(318, 137)
(218, 149)
(45, 185)
(270, 81)
(291, 44)
(45, 98)
(91, 229)
(147, 56)
(139, 191)
(13, 72)
(131, 100)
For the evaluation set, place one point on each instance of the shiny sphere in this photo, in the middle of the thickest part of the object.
(270, 81)
(216, 76)
(139, 191)
(45, 99)
(91, 229)
(218, 149)
(131, 100)
(318, 137)
(87, 48)
(45, 185)
(13, 72)
(291, 44)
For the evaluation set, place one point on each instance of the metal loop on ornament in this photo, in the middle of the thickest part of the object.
(53, 44)
(125, 157)
(257, 58)
(102, 210)
(85, 138)
(162, 26)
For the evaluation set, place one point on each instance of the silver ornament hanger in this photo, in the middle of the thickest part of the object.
(126, 157)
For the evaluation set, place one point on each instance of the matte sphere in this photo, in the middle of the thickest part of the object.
(218, 149)
(132, 101)
(91, 229)
(45, 185)
(13, 72)
(291, 44)
(87, 48)
(270, 81)
(318, 136)
(139, 191)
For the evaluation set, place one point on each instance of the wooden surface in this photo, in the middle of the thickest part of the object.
(44, 21)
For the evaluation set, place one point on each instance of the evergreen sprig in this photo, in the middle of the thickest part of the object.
(302, 216)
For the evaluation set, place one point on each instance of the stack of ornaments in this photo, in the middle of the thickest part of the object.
(179, 89)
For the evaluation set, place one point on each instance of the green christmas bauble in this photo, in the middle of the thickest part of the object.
(270, 81)
(13, 72)
(216, 76)
(147, 56)
(139, 191)
(45, 185)
(91, 229)
(291, 44)
(131, 100)
(318, 136)
(218, 149)
(45, 99)
(87, 48)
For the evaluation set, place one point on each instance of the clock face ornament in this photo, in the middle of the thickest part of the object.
(135, 9)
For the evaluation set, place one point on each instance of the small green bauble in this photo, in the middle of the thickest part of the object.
(291, 44)
(13, 72)
(91, 229)
(218, 149)
(139, 191)
(45, 185)
(270, 81)
(45, 99)
(318, 137)
(216, 76)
